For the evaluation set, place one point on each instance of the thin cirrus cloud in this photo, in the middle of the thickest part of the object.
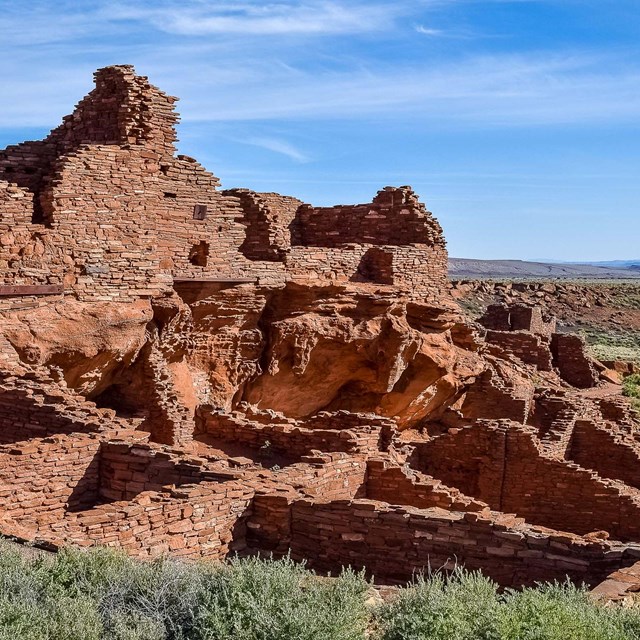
(317, 17)
(487, 91)
(477, 91)
(277, 145)
(249, 78)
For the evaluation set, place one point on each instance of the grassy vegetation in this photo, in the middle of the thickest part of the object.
(631, 389)
(611, 345)
(104, 595)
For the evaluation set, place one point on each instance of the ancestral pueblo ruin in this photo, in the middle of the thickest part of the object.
(192, 371)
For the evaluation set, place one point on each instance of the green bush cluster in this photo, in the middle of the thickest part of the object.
(631, 389)
(105, 595)
(468, 606)
(631, 386)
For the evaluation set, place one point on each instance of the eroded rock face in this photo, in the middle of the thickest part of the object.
(91, 343)
(355, 350)
(196, 372)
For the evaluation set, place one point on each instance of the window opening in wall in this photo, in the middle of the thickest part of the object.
(199, 254)
(200, 212)
(168, 194)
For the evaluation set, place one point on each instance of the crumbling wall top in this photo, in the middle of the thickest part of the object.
(395, 217)
(122, 109)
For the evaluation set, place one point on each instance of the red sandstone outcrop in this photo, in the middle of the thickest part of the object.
(192, 371)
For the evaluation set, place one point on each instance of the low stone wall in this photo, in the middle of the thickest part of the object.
(129, 469)
(472, 459)
(505, 466)
(395, 217)
(611, 455)
(43, 479)
(202, 521)
(565, 496)
(572, 361)
(518, 317)
(34, 411)
(286, 439)
(397, 485)
(528, 347)
(395, 542)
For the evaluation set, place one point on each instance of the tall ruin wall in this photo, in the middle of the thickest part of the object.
(104, 208)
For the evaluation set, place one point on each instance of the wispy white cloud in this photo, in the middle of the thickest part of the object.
(276, 18)
(233, 78)
(494, 91)
(490, 91)
(426, 31)
(278, 146)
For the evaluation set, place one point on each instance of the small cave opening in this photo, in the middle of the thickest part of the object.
(199, 254)
(124, 404)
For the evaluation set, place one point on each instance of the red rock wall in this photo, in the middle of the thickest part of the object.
(505, 467)
(398, 485)
(528, 347)
(202, 521)
(127, 470)
(535, 485)
(395, 217)
(269, 218)
(29, 411)
(104, 207)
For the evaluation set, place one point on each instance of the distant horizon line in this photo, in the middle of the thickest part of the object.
(628, 262)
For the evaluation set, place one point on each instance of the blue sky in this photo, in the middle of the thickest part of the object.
(517, 121)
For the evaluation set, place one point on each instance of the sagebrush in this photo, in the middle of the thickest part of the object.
(103, 594)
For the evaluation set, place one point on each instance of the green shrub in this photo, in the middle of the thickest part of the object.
(464, 607)
(252, 599)
(631, 386)
(469, 607)
(103, 595)
(562, 612)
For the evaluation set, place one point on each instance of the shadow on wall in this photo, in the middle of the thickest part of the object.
(85, 493)
(375, 266)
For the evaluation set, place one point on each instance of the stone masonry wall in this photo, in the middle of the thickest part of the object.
(129, 469)
(34, 411)
(528, 347)
(504, 466)
(268, 218)
(42, 479)
(189, 521)
(291, 440)
(104, 208)
(609, 453)
(572, 361)
(395, 542)
(398, 485)
(395, 217)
